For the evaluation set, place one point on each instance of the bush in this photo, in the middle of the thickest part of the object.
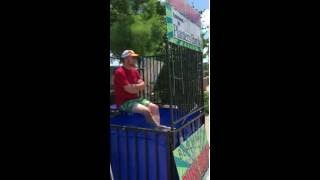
(206, 102)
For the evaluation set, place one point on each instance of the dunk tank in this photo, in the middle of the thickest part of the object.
(173, 81)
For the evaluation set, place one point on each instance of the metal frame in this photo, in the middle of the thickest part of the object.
(111, 173)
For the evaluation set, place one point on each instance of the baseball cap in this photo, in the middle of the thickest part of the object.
(127, 53)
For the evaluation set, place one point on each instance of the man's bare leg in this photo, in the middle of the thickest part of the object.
(154, 109)
(156, 115)
(141, 109)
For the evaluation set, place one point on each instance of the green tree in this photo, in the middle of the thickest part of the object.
(205, 44)
(205, 69)
(206, 102)
(138, 25)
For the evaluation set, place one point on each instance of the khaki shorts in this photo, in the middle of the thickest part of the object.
(128, 105)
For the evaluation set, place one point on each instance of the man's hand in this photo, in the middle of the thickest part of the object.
(140, 85)
(135, 88)
(131, 88)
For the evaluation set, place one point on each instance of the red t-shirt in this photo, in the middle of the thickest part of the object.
(123, 77)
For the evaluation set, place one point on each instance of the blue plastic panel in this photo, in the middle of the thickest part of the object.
(137, 154)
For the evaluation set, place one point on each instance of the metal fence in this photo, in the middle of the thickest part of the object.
(174, 80)
(186, 82)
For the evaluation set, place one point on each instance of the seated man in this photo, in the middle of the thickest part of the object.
(127, 83)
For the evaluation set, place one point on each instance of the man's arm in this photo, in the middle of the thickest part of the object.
(140, 82)
(121, 80)
(131, 88)
(140, 85)
(134, 88)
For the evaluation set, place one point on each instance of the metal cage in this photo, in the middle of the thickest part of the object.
(175, 81)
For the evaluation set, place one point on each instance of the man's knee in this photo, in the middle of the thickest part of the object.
(153, 106)
(146, 111)
(142, 109)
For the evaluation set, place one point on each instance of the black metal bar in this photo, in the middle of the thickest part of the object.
(111, 173)
(155, 73)
(194, 126)
(137, 128)
(153, 77)
(174, 87)
(181, 99)
(150, 77)
(193, 87)
(189, 62)
(141, 72)
(190, 113)
(184, 100)
(145, 76)
(173, 142)
(139, 62)
(194, 93)
(200, 77)
(196, 118)
(191, 81)
(172, 76)
(170, 84)
(158, 74)
(187, 65)
(201, 82)
(145, 61)
(180, 135)
(191, 128)
(148, 68)
(159, 82)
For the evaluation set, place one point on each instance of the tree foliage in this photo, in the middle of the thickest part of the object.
(205, 44)
(206, 102)
(138, 25)
(205, 69)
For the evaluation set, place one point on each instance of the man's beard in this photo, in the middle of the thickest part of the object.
(133, 65)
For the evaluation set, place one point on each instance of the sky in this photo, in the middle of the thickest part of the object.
(200, 4)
